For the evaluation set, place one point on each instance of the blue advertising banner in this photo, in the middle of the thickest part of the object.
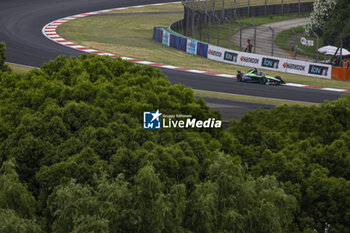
(178, 42)
(166, 38)
(157, 34)
(202, 49)
(191, 47)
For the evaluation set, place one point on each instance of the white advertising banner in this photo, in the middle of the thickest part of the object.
(191, 47)
(166, 38)
(307, 68)
(319, 70)
(249, 59)
(215, 53)
(294, 66)
(258, 61)
(269, 63)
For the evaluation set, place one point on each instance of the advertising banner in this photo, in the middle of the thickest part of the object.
(215, 53)
(166, 38)
(178, 42)
(157, 34)
(249, 59)
(241, 58)
(307, 68)
(191, 47)
(230, 56)
(294, 66)
(270, 63)
(202, 49)
(320, 70)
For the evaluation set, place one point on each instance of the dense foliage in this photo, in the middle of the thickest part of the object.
(3, 66)
(308, 149)
(338, 25)
(75, 158)
(319, 16)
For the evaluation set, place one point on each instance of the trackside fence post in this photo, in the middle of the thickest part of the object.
(316, 46)
(228, 32)
(193, 18)
(218, 36)
(223, 10)
(240, 35)
(235, 9)
(208, 18)
(254, 38)
(281, 7)
(273, 38)
(200, 25)
(248, 8)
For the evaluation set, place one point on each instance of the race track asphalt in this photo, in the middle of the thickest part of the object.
(23, 20)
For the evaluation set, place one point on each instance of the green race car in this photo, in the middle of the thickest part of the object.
(253, 76)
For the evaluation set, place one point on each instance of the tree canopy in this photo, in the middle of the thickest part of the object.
(337, 27)
(319, 16)
(75, 158)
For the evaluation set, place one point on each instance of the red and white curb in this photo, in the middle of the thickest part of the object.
(49, 30)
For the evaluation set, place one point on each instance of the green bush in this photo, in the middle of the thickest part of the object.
(3, 66)
(338, 26)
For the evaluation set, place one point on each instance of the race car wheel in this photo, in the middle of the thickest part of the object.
(239, 77)
(262, 80)
(281, 81)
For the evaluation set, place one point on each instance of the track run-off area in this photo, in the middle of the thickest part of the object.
(23, 22)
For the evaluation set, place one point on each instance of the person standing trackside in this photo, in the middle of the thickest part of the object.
(292, 53)
(249, 47)
(346, 64)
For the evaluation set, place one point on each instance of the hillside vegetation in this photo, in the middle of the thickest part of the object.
(75, 158)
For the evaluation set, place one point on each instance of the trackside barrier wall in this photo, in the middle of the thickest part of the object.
(240, 58)
(339, 73)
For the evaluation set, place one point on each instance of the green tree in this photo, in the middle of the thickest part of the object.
(3, 66)
(10, 221)
(337, 27)
(319, 15)
(13, 194)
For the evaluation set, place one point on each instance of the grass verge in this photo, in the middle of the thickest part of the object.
(288, 38)
(20, 68)
(131, 36)
(228, 29)
(248, 99)
(171, 7)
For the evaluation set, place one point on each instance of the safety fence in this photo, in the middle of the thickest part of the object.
(170, 38)
(235, 8)
(219, 22)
